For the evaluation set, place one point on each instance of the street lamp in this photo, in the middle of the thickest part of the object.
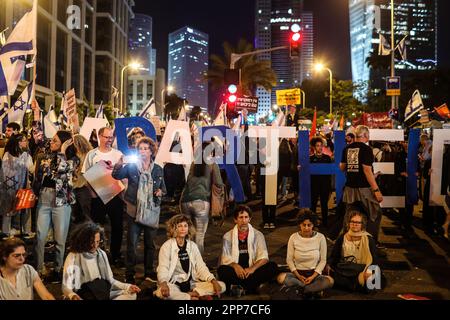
(320, 67)
(133, 65)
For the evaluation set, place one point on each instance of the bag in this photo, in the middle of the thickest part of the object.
(349, 268)
(149, 218)
(98, 289)
(217, 198)
(25, 199)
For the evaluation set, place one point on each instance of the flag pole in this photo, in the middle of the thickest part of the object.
(37, 110)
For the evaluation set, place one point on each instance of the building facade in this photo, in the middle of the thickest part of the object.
(274, 19)
(87, 57)
(140, 40)
(141, 88)
(416, 19)
(188, 64)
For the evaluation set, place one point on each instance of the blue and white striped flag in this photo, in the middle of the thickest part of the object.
(17, 111)
(414, 105)
(100, 112)
(50, 123)
(149, 109)
(21, 42)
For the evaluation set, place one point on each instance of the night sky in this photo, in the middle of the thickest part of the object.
(233, 19)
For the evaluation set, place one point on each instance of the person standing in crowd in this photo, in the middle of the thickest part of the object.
(143, 198)
(284, 167)
(195, 200)
(16, 165)
(53, 185)
(360, 246)
(424, 155)
(182, 273)
(245, 260)
(320, 184)
(357, 160)
(87, 273)
(294, 169)
(114, 208)
(12, 128)
(429, 219)
(17, 279)
(81, 210)
(306, 258)
(269, 211)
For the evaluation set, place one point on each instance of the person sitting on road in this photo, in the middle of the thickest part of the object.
(306, 258)
(17, 279)
(357, 246)
(245, 260)
(87, 274)
(182, 273)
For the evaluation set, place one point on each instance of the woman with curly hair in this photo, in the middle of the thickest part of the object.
(87, 273)
(182, 273)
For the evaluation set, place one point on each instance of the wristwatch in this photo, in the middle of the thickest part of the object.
(376, 190)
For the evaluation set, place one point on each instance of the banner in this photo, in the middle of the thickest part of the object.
(70, 111)
(288, 97)
(249, 103)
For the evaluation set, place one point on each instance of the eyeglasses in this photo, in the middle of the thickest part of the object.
(18, 255)
(355, 222)
(144, 149)
(108, 137)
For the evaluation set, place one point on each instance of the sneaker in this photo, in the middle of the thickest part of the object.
(266, 226)
(272, 226)
(151, 277)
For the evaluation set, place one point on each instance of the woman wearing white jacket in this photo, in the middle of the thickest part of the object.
(182, 273)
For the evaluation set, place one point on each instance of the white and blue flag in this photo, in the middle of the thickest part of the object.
(149, 109)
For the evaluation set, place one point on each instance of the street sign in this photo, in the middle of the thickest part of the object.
(249, 103)
(288, 97)
(393, 86)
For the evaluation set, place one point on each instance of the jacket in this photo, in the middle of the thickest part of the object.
(168, 259)
(336, 253)
(131, 172)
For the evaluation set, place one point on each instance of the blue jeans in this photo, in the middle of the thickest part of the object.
(320, 283)
(134, 231)
(198, 211)
(49, 215)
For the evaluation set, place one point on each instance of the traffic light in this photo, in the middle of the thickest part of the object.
(295, 40)
(232, 76)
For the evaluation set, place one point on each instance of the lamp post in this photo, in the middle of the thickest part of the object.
(319, 67)
(134, 66)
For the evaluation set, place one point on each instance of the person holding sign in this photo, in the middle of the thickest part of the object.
(143, 202)
(114, 208)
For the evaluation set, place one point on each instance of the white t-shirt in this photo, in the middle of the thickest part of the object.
(96, 155)
(307, 253)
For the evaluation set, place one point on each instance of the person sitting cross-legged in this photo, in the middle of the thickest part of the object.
(182, 273)
(245, 260)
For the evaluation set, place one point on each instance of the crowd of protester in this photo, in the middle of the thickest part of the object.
(55, 169)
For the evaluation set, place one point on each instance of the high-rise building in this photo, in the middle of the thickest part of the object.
(188, 64)
(140, 40)
(415, 18)
(274, 19)
(153, 63)
(87, 57)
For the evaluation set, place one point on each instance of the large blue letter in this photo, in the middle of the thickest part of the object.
(307, 169)
(412, 196)
(122, 124)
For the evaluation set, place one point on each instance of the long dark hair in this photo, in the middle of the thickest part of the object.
(9, 246)
(13, 147)
(83, 236)
(200, 168)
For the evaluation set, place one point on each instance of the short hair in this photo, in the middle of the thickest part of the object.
(315, 140)
(356, 209)
(150, 142)
(173, 222)
(83, 236)
(100, 132)
(306, 214)
(242, 208)
(13, 125)
(362, 131)
(7, 247)
(351, 135)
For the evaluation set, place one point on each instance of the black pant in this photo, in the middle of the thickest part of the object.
(133, 235)
(81, 210)
(114, 209)
(263, 274)
(244, 174)
(406, 215)
(269, 213)
(323, 192)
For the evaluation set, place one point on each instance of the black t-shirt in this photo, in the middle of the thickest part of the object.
(324, 180)
(355, 156)
(184, 257)
(243, 253)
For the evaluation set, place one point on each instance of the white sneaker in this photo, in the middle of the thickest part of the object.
(14, 232)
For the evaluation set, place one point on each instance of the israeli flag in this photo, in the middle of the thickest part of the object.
(414, 105)
(20, 43)
(50, 123)
(17, 111)
(100, 112)
(149, 109)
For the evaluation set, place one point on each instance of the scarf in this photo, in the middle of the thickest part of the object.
(235, 244)
(144, 202)
(82, 258)
(366, 256)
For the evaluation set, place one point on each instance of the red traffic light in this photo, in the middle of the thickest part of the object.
(232, 98)
(296, 37)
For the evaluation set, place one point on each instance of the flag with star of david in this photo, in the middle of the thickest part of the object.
(18, 109)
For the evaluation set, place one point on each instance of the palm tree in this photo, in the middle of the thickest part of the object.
(253, 72)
